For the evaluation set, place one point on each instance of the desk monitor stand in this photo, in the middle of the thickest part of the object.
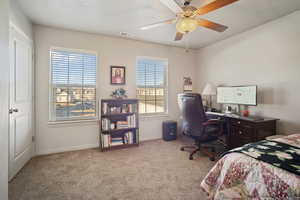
(237, 110)
(229, 110)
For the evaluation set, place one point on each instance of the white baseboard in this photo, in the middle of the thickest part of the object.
(66, 149)
(79, 147)
(150, 139)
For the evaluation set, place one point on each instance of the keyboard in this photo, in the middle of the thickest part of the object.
(215, 113)
(250, 118)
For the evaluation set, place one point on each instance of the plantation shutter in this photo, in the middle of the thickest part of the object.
(151, 85)
(73, 79)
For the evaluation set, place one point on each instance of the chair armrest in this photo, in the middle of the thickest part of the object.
(212, 122)
(217, 122)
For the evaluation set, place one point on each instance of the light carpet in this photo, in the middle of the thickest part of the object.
(155, 170)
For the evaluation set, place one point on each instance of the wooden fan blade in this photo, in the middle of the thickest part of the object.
(178, 36)
(172, 5)
(214, 6)
(212, 25)
(170, 21)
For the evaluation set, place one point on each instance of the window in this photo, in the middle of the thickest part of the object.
(73, 85)
(151, 85)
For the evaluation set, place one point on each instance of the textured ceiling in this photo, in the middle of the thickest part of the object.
(111, 17)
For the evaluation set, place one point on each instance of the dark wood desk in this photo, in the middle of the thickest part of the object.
(243, 130)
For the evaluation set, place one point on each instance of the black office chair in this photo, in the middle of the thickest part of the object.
(196, 125)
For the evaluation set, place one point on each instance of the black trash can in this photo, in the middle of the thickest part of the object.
(169, 130)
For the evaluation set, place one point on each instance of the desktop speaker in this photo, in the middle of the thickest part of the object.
(169, 130)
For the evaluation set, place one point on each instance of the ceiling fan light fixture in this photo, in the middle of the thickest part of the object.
(186, 25)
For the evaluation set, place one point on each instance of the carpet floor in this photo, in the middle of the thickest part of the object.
(155, 170)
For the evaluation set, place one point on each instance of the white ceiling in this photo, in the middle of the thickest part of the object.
(114, 16)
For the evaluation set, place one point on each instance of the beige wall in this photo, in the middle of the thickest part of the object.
(267, 56)
(111, 51)
(4, 83)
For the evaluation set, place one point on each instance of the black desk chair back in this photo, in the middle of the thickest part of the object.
(196, 125)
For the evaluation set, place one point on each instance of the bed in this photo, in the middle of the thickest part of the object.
(239, 176)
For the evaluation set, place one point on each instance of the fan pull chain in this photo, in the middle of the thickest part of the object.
(186, 43)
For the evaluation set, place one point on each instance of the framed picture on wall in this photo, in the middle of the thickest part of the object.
(117, 75)
(187, 84)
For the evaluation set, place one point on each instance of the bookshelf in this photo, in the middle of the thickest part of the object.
(119, 127)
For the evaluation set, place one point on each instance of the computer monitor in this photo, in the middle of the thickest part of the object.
(241, 95)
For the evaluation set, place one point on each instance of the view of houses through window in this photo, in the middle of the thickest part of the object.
(73, 85)
(151, 85)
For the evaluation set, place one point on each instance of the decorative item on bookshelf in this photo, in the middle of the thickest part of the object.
(119, 123)
(119, 93)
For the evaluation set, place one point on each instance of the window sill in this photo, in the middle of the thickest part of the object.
(91, 121)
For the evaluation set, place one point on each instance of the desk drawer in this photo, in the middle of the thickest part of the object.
(241, 135)
(241, 123)
(244, 131)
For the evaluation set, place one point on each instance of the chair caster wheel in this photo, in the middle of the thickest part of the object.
(212, 159)
(191, 158)
(181, 149)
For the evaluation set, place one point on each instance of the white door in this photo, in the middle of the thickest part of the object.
(21, 101)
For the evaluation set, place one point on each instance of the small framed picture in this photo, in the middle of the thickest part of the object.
(187, 84)
(117, 75)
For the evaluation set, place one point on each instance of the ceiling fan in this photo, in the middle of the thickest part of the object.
(186, 17)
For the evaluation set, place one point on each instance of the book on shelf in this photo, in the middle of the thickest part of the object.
(106, 141)
(112, 126)
(122, 124)
(128, 138)
(109, 125)
(131, 121)
(105, 124)
(116, 141)
(104, 108)
(109, 141)
(124, 108)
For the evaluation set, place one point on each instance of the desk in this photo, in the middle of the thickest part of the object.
(244, 130)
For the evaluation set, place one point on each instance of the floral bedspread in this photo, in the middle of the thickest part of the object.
(238, 176)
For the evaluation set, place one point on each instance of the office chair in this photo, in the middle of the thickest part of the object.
(196, 125)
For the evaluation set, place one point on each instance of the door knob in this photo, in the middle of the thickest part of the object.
(12, 110)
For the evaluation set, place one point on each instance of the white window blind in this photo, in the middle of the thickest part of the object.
(73, 92)
(151, 85)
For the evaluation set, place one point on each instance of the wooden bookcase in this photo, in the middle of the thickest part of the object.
(119, 123)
